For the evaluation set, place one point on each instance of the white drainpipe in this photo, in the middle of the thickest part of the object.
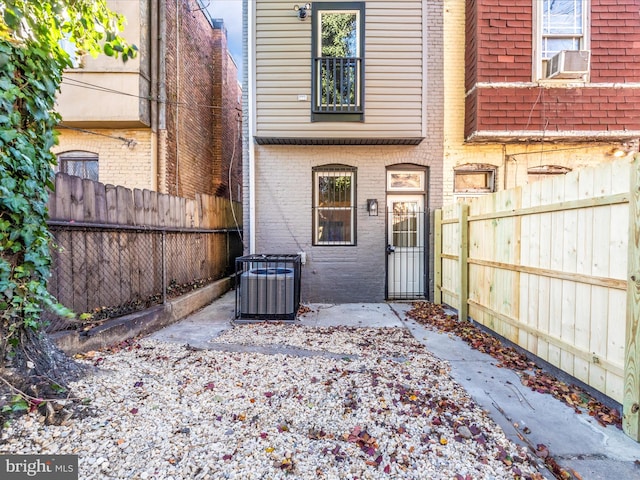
(251, 123)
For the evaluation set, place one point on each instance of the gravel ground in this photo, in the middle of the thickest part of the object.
(342, 403)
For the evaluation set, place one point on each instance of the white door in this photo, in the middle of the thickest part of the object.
(405, 246)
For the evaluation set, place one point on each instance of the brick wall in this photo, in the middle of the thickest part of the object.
(335, 274)
(227, 134)
(197, 116)
(470, 39)
(557, 109)
(499, 50)
(615, 41)
(124, 156)
(503, 42)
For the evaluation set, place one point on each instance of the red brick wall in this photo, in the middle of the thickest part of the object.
(472, 38)
(556, 109)
(615, 41)
(199, 92)
(504, 37)
(499, 50)
(227, 125)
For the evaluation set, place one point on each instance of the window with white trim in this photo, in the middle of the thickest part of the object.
(79, 163)
(334, 205)
(560, 25)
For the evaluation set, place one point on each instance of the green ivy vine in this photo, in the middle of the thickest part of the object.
(34, 51)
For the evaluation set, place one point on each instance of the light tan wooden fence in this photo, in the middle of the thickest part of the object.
(546, 266)
(122, 248)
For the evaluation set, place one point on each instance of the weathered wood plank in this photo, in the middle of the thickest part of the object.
(89, 201)
(100, 205)
(138, 207)
(76, 207)
(62, 198)
(112, 204)
(125, 206)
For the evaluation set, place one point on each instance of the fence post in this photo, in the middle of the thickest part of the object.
(437, 257)
(164, 267)
(463, 312)
(631, 399)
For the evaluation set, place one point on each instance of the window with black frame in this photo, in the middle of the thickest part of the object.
(338, 63)
(334, 205)
(79, 163)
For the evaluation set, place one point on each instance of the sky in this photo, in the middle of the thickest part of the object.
(231, 12)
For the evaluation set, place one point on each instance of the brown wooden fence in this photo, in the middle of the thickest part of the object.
(547, 267)
(120, 250)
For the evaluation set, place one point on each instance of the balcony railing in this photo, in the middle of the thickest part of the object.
(337, 85)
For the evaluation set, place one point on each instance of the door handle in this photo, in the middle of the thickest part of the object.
(390, 249)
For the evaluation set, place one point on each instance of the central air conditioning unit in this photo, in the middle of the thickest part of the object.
(569, 64)
(267, 291)
(268, 286)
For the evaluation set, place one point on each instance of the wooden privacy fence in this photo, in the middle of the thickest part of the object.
(546, 266)
(121, 250)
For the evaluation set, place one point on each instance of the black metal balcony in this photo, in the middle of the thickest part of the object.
(337, 85)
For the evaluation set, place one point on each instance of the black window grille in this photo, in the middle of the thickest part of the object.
(334, 205)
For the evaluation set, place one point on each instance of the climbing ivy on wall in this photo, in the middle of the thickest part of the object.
(38, 40)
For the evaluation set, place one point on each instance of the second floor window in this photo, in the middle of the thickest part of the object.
(562, 25)
(338, 64)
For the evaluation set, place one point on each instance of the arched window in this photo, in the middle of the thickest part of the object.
(79, 163)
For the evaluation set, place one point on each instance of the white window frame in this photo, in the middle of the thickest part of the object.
(539, 69)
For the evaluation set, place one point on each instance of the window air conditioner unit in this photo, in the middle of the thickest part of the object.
(569, 64)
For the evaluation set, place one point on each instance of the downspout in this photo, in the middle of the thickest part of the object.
(250, 75)
(153, 94)
(177, 126)
(162, 96)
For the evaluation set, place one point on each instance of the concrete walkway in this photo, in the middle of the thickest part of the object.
(576, 442)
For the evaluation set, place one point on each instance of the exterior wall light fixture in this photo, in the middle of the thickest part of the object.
(372, 207)
(303, 10)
